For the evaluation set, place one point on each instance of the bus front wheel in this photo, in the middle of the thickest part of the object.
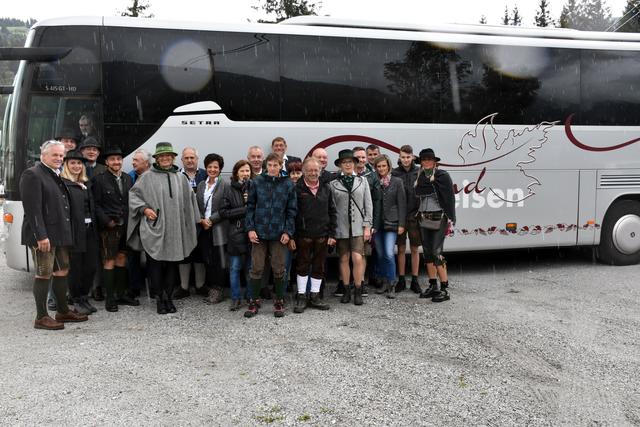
(620, 234)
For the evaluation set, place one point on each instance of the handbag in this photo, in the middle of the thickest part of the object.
(430, 220)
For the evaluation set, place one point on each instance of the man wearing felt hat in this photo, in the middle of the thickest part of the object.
(163, 213)
(111, 196)
(90, 149)
(69, 138)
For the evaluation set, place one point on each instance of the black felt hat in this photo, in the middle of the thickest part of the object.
(427, 154)
(68, 133)
(343, 155)
(112, 151)
(73, 154)
(90, 142)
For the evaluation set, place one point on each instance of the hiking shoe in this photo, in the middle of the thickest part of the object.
(235, 305)
(301, 303)
(314, 301)
(278, 308)
(346, 297)
(415, 286)
(357, 296)
(180, 293)
(340, 290)
(252, 310)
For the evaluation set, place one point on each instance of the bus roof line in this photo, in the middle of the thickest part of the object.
(310, 25)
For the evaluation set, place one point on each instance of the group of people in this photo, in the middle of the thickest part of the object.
(273, 217)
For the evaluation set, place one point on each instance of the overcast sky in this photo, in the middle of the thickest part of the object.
(437, 11)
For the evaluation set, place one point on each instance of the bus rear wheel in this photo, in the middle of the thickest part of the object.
(620, 234)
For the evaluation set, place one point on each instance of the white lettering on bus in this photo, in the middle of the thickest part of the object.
(493, 198)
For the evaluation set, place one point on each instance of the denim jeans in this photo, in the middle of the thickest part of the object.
(240, 264)
(385, 243)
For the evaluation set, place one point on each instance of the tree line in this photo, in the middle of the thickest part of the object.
(586, 15)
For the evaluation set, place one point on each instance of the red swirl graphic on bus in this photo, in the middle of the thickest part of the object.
(577, 143)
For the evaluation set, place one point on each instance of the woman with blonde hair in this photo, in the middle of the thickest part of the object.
(83, 259)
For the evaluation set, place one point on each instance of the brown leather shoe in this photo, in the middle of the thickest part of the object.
(71, 316)
(48, 323)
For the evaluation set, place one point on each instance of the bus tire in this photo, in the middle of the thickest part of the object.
(620, 234)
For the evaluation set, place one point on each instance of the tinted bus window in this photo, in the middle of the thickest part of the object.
(148, 73)
(524, 85)
(341, 79)
(78, 72)
(610, 88)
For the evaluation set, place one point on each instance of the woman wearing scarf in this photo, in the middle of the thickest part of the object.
(234, 210)
(437, 206)
(392, 222)
(163, 214)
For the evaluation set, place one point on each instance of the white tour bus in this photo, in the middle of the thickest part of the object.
(539, 128)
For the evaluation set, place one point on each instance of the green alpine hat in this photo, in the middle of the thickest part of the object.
(164, 148)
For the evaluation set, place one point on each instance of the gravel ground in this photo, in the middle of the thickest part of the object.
(536, 338)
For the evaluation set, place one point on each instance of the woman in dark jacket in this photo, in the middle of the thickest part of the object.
(392, 222)
(212, 235)
(437, 207)
(83, 257)
(234, 209)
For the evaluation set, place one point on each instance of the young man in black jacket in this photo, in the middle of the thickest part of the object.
(407, 170)
(315, 231)
(111, 196)
(47, 231)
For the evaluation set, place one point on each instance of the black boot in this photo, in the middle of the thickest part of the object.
(160, 305)
(108, 282)
(415, 285)
(346, 296)
(97, 294)
(357, 296)
(315, 302)
(168, 302)
(401, 285)
(428, 293)
(301, 303)
(440, 296)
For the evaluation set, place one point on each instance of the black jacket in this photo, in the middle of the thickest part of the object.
(443, 187)
(316, 215)
(234, 209)
(408, 179)
(394, 205)
(110, 203)
(80, 230)
(326, 176)
(47, 207)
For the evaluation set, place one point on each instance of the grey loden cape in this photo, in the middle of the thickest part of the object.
(174, 236)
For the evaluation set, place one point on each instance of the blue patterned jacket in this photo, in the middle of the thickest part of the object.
(271, 207)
